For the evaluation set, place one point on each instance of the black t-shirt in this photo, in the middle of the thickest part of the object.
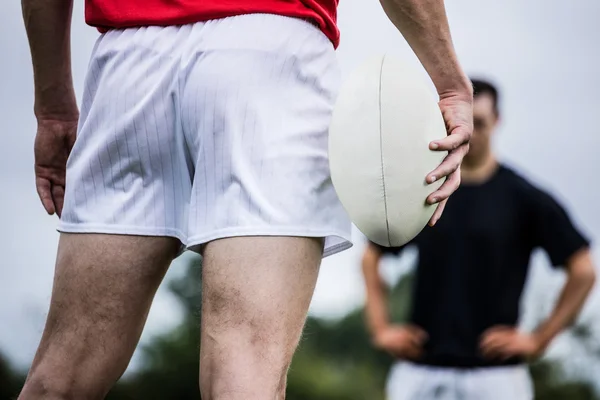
(473, 264)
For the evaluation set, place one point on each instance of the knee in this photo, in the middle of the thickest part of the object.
(236, 387)
(250, 372)
(54, 385)
(39, 386)
(246, 355)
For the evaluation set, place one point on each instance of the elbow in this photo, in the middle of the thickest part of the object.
(590, 276)
(586, 275)
(582, 269)
(588, 279)
(370, 261)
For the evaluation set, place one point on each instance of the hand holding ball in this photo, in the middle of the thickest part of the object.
(384, 119)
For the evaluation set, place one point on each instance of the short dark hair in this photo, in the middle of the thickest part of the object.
(481, 86)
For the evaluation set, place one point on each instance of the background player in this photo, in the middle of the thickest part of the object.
(462, 341)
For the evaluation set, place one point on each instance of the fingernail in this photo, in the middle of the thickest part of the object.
(434, 145)
(432, 179)
(434, 200)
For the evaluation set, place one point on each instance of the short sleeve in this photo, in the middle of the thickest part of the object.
(553, 229)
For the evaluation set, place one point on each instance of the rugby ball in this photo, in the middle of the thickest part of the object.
(384, 118)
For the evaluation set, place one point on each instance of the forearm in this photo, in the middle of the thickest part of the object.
(376, 308)
(573, 296)
(424, 25)
(48, 25)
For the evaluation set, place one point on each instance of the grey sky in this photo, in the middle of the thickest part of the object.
(543, 54)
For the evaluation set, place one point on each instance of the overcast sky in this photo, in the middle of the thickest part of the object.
(543, 54)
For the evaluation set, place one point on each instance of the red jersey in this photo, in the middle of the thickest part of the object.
(107, 14)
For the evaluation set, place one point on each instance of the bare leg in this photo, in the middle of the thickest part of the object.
(103, 289)
(256, 294)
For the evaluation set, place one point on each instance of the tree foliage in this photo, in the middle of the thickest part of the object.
(10, 381)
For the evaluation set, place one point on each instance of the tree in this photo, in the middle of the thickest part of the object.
(549, 385)
(10, 381)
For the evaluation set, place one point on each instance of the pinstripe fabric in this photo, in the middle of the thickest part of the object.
(412, 382)
(206, 131)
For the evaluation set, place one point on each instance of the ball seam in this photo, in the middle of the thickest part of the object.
(387, 222)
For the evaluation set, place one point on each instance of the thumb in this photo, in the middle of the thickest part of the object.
(44, 190)
(70, 141)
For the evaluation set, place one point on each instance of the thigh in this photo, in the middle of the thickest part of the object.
(255, 297)
(102, 292)
(258, 104)
(258, 287)
(498, 384)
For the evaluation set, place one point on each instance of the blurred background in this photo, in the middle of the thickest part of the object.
(544, 55)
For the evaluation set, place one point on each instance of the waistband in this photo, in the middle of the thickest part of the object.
(466, 362)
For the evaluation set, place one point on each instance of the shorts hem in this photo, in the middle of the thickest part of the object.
(121, 230)
(342, 243)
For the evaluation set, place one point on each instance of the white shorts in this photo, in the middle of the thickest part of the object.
(206, 131)
(413, 382)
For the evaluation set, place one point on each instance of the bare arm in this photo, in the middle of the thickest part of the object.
(402, 341)
(580, 280)
(376, 306)
(48, 25)
(505, 342)
(424, 25)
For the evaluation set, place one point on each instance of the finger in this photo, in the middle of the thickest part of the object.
(417, 332)
(495, 353)
(458, 137)
(58, 195)
(413, 352)
(450, 164)
(507, 350)
(499, 346)
(438, 213)
(44, 190)
(498, 329)
(494, 350)
(415, 340)
(487, 343)
(493, 340)
(506, 354)
(492, 336)
(444, 191)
